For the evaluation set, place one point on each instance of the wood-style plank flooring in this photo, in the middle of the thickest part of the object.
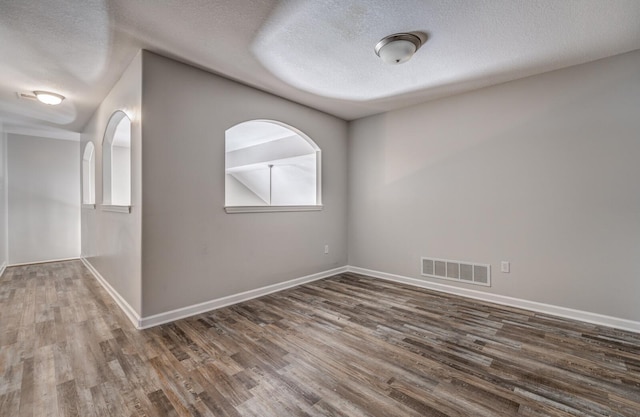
(344, 346)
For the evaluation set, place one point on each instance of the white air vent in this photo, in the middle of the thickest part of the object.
(472, 273)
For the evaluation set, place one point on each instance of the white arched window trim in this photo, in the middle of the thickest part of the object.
(283, 208)
(89, 176)
(109, 168)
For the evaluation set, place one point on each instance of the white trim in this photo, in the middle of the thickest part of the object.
(116, 209)
(269, 209)
(594, 318)
(131, 314)
(2, 268)
(183, 312)
(48, 261)
(192, 310)
(88, 206)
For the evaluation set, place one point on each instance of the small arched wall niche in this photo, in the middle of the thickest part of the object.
(89, 175)
(271, 166)
(116, 164)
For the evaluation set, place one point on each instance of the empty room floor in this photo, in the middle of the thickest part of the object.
(348, 345)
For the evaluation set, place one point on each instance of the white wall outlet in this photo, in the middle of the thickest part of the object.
(505, 267)
(326, 249)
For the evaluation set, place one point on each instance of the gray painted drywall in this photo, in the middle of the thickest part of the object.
(192, 251)
(44, 199)
(542, 172)
(111, 241)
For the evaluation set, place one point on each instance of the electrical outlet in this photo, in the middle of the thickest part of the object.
(326, 249)
(505, 267)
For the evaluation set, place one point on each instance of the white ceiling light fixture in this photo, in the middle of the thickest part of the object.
(398, 48)
(49, 98)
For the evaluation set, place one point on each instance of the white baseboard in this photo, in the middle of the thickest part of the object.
(565, 312)
(44, 262)
(2, 268)
(183, 312)
(192, 310)
(131, 314)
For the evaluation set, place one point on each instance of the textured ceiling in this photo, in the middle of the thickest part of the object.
(318, 53)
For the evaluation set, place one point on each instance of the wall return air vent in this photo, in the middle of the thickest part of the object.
(467, 272)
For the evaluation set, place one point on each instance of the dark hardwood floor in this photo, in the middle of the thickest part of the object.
(344, 346)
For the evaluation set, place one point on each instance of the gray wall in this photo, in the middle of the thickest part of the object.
(192, 251)
(542, 172)
(111, 241)
(44, 199)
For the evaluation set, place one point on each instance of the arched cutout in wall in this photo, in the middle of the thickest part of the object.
(89, 174)
(116, 162)
(271, 166)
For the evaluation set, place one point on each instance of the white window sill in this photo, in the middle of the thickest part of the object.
(89, 206)
(269, 209)
(116, 209)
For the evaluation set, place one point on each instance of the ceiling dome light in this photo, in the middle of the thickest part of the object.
(46, 97)
(398, 48)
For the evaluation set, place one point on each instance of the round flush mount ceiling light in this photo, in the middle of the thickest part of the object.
(47, 97)
(398, 48)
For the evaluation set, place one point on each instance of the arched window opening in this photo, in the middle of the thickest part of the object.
(89, 174)
(116, 165)
(270, 165)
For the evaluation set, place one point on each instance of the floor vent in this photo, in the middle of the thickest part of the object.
(472, 273)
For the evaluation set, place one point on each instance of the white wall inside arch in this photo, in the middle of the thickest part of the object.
(268, 163)
(117, 161)
(89, 174)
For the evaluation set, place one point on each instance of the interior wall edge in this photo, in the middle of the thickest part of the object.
(126, 308)
(112, 241)
(554, 310)
(2, 268)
